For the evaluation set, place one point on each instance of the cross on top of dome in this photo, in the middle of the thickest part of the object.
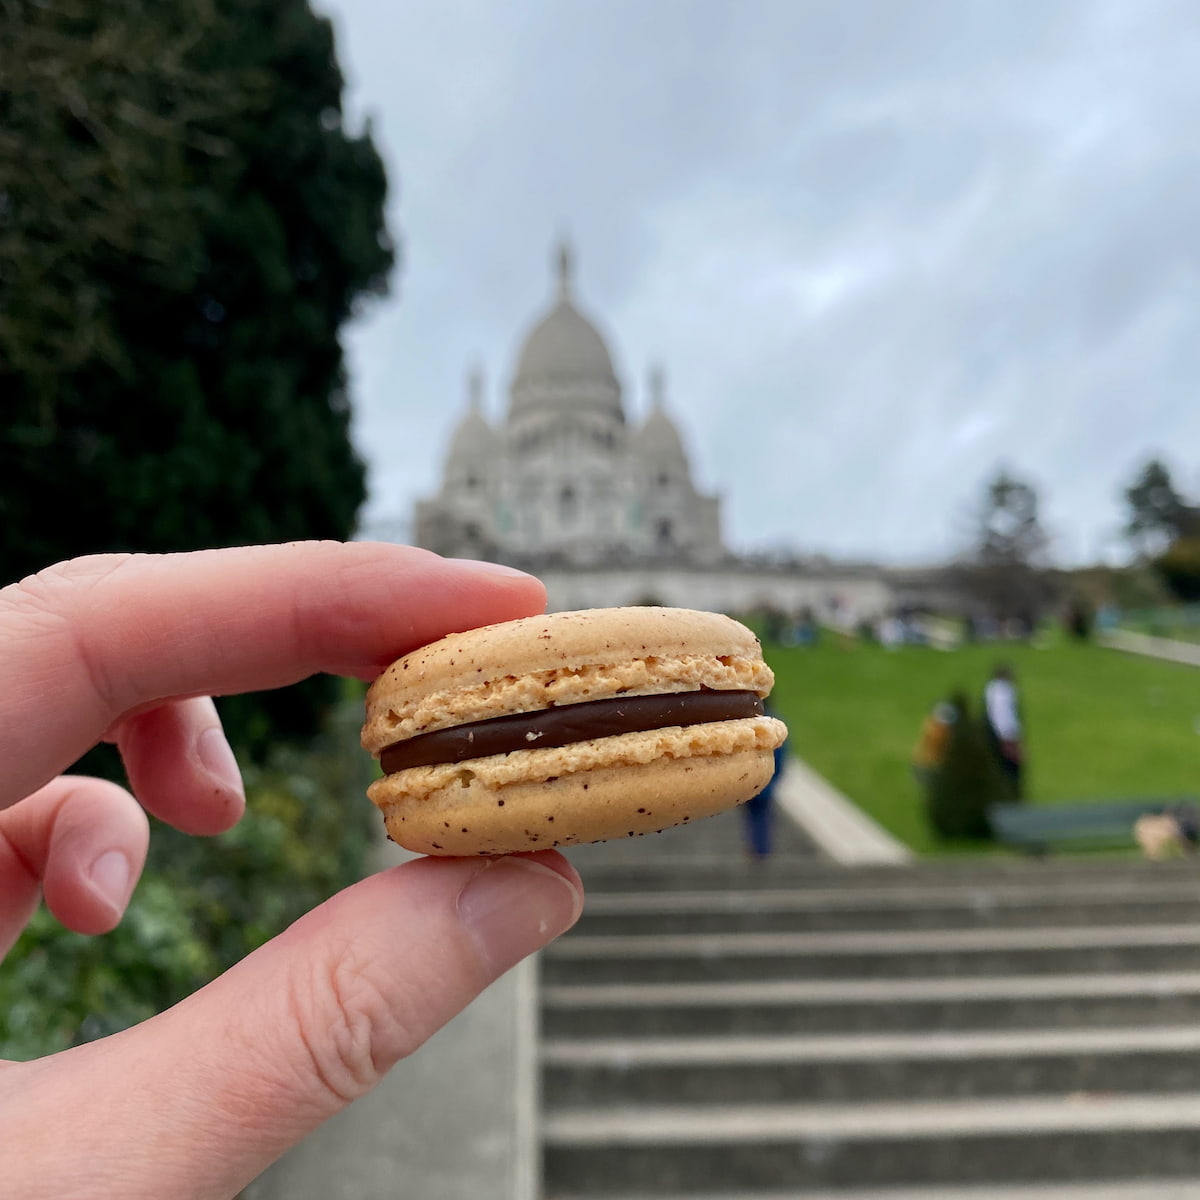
(564, 345)
(656, 382)
(565, 267)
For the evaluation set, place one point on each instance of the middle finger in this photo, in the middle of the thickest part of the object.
(181, 767)
(84, 841)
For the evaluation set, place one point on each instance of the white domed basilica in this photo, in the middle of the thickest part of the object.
(603, 509)
(566, 478)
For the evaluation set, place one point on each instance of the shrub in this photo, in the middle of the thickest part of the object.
(1179, 569)
(202, 904)
(969, 780)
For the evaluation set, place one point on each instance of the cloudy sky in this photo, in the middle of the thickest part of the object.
(880, 247)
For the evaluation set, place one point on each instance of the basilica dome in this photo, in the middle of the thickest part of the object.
(564, 344)
(564, 364)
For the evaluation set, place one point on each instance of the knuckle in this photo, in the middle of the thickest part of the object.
(342, 1016)
(44, 610)
(56, 587)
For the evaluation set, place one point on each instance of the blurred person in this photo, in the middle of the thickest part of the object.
(1078, 619)
(1002, 714)
(758, 813)
(891, 632)
(197, 1101)
(1159, 836)
(1187, 818)
(1169, 834)
(934, 739)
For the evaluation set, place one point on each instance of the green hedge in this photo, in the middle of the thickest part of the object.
(202, 904)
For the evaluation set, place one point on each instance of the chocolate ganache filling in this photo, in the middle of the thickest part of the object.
(550, 727)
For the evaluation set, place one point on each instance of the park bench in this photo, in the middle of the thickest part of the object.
(1037, 828)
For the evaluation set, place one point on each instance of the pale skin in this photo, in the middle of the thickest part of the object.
(196, 1102)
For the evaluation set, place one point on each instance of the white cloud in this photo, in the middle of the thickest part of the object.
(878, 247)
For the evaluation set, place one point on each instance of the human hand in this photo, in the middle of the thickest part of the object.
(197, 1101)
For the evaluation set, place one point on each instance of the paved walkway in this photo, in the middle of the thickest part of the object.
(455, 1121)
(834, 823)
(1187, 653)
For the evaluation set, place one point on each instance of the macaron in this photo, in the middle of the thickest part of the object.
(569, 728)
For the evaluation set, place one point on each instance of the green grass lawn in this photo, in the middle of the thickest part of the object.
(1100, 724)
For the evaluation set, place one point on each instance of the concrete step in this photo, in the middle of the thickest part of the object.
(578, 958)
(1161, 1189)
(871, 1005)
(904, 1066)
(676, 1151)
(715, 873)
(931, 906)
(978, 1030)
(716, 839)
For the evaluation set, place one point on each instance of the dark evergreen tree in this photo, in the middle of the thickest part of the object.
(1179, 568)
(1158, 513)
(1164, 530)
(185, 226)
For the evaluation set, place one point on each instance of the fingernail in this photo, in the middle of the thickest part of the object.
(110, 878)
(489, 568)
(514, 906)
(217, 759)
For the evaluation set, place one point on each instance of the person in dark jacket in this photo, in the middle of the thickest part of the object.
(758, 816)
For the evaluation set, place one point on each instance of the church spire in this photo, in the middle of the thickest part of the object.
(475, 389)
(565, 264)
(657, 386)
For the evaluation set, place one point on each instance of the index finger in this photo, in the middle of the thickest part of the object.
(89, 640)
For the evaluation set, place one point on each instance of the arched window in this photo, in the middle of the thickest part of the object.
(665, 533)
(567, 503)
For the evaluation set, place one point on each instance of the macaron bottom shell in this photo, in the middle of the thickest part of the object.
(476, 817)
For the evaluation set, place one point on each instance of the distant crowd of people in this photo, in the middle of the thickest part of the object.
(913, 626)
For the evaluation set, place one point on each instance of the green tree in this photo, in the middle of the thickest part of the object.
(202, 903)
(1009, 529)
(1158, 513)
(185, 226)
(1164, 530)
(1179, 568)
(1006, 572)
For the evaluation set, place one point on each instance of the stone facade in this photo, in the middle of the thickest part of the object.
(566, 477)
(606, 510)
(834, 596)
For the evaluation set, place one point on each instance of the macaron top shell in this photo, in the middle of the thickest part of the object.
(560, 658)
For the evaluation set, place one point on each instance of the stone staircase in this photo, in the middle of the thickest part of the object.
(975, 1030)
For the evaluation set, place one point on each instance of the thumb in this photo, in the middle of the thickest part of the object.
(196, 1102)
